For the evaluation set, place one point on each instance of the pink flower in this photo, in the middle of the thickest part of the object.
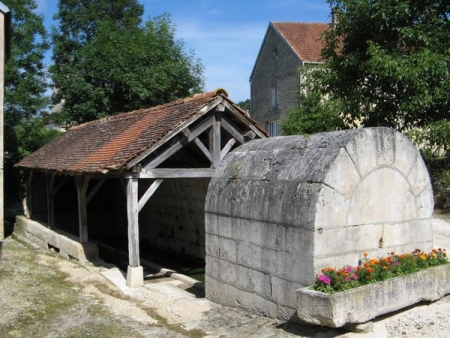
(324, 279)
(355, 276)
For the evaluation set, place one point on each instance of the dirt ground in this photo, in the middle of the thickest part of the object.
(44, 295)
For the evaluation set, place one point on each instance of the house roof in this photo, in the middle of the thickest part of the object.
(303, 38)
(112, 143)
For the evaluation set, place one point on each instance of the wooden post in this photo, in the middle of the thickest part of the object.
(50, 200)
(28, 205)
(133, 221)
(82, 185)
(135, 275)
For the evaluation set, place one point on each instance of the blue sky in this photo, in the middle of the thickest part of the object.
(225, 35)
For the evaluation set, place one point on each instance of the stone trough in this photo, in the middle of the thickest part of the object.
(279, 210)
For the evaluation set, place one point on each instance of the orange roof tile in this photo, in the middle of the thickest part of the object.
(304, 38)
(112, 142)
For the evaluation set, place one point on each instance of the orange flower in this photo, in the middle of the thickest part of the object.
(365, 254)
(423, 257)
(369, 270)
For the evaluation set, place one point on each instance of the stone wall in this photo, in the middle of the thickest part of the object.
(279, 210)
(173, 218)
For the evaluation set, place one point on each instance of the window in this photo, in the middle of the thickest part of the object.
(273, 128)
(274, 54)
(274, 95)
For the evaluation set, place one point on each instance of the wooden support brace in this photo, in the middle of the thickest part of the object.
(204, 150)
(150, 191)
(227, 148)
(94, 190)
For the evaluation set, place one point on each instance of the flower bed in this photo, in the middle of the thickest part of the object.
(346, 296)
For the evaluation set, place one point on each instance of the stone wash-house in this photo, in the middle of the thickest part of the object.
(137, 177)
(286, 47)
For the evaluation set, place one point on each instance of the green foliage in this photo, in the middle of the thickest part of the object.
(107, 61)
(388, 62)
(25, 75)
(33, 135)
(433, 139)
(245, 105)
(316, 113)
(25, 86)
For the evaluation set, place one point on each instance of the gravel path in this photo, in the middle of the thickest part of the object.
(44, 295)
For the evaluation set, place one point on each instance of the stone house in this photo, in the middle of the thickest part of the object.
(274, 80)
(138, 177)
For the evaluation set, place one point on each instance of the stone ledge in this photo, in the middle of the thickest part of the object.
(66, 243)
(364, 303)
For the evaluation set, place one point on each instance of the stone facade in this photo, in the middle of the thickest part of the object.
(281, 209)
(275, 78)
(277, 65)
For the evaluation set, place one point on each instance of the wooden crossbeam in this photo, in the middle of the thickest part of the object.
(173, 173)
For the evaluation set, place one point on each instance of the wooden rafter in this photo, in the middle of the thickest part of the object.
(180, 144)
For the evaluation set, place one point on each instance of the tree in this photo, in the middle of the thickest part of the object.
(388, 62)
(25, 85)
(316, 112)
(106, 61)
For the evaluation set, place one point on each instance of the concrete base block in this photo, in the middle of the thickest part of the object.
(135, 276)
(65, 243)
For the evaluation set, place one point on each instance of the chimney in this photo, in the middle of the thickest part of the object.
(334, 16)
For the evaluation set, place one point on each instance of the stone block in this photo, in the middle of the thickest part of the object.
(405, 153)
(135, 276)
(330, 242)
(378, 199)
(331, 209)
(404, 233)
(228, 295)
(419, 176)
(343, 175)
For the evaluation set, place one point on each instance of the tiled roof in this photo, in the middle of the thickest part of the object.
(112, 142)
(304, 38)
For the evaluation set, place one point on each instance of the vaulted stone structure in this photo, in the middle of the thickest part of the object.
(279, 210)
